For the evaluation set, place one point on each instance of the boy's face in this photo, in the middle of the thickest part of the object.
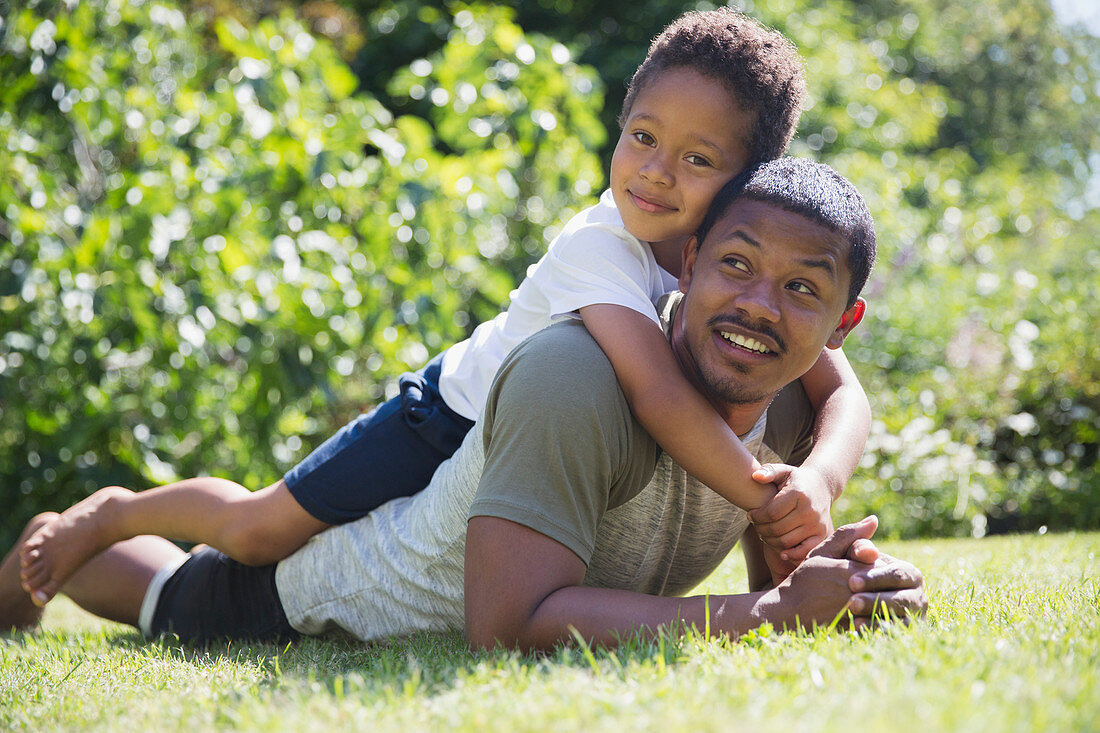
(683, 139)
(764, 294)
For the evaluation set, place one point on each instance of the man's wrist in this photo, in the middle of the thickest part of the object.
(767, 608)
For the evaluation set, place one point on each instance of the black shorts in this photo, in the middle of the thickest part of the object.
(212, 597)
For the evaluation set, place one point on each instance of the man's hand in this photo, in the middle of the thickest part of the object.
(797, 518)
(843, 577)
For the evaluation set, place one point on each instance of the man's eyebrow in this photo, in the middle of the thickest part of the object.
(745, 238)
(824, 264)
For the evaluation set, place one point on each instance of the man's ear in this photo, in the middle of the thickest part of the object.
(848, 321)
(687, 262)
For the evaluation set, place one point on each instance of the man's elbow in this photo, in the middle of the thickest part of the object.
(483, 635)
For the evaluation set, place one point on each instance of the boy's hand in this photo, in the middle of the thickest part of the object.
(797, 518)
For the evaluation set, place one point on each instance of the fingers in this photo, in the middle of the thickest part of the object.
(864, 551)
(785, 535)
(899, 604)
(781, 505)
(771, 473)
(801, 551)
(886, 576)
(840, 542)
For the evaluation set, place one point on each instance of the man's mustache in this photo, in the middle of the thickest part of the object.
(760, 328)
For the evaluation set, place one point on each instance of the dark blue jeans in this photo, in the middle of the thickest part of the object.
(389, 452)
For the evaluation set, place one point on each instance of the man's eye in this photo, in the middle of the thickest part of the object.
(643, 137)
(801, 287)
(736, 264)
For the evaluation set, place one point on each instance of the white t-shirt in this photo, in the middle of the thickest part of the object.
(594, 260)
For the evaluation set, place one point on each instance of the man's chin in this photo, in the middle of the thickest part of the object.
(734, 393)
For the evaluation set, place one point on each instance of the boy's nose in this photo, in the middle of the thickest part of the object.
(657, 170)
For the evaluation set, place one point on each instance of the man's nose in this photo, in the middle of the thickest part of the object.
(759, 300)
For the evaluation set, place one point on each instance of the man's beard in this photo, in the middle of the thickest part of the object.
(723, 388)
(728, 390)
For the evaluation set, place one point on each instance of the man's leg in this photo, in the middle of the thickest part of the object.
(16, 609)
(111, 585)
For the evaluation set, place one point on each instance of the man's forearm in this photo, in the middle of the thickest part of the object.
(604, 616)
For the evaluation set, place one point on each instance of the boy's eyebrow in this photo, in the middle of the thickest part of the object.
(823, 263)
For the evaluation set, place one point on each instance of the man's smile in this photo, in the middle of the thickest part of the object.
(745, 342)
(752, 341)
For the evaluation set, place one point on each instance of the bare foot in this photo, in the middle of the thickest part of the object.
(17, 612)
(60, 546)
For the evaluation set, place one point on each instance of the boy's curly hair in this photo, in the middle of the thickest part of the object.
(758, 65)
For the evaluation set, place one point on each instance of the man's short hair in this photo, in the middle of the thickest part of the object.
(759, 67)
(814, 191)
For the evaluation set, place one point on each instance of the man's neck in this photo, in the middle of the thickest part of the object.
(740, 418)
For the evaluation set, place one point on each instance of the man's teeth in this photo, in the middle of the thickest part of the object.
(746, 343)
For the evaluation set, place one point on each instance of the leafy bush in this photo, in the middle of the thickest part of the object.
(219, 239)
(216, 252)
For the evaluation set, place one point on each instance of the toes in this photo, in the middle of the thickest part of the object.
(43, 595)
(29, 556)
(34, 578)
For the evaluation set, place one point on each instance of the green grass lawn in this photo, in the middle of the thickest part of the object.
(1011, 642)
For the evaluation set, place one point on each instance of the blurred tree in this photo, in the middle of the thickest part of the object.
(213, 253)
(222, 237)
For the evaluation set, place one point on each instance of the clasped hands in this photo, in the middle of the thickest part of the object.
(841, 575)
(846, 581)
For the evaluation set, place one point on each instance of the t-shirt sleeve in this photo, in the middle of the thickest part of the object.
(599, 264)
(790, 428)
(560, 442)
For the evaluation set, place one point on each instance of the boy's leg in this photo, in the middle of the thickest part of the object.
(254, 527)
(111, 585)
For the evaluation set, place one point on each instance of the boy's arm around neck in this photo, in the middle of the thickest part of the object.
(669, 407)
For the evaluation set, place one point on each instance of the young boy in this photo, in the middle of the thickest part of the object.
(716, 94)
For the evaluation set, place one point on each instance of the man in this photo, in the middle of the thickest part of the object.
(573, 520)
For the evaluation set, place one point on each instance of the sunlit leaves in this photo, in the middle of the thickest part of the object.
(215, 251)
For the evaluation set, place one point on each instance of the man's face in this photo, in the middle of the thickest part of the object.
(764, 294)
(683, 139)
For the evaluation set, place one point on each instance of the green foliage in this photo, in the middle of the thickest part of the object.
(214, 253)
(219, 239)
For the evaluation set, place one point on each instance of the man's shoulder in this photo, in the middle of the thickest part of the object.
(559, 439)
(566, 348)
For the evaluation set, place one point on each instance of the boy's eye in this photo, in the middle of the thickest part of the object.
(698, 160)
(643, 137)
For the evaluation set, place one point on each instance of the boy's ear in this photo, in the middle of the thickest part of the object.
(687, 262)
(848, 321)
